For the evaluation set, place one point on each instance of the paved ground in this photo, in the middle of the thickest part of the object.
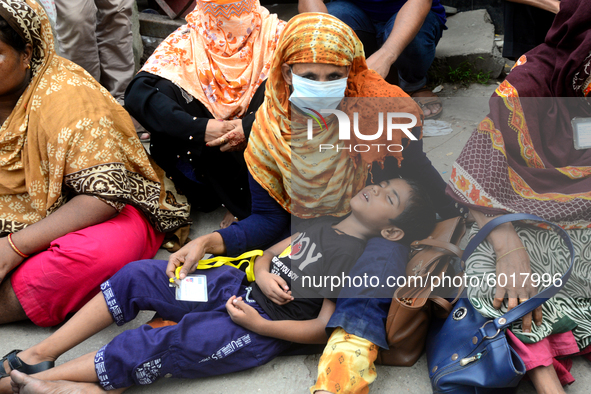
(464, 108)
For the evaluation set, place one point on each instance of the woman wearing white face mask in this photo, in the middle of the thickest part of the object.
(324, 88)
(316, 53)
(316, 50)
(321, 58)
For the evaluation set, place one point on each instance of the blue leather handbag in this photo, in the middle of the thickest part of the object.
(468, 353)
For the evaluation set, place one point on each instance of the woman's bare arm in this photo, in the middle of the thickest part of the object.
(548, 5)
(80, 212)
(311, 6)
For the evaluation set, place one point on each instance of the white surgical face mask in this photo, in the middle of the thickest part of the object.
(317, 94)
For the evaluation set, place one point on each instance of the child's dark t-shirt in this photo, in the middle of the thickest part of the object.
(317, 255)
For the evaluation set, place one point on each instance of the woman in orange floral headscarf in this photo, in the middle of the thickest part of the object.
(290, 176)
(197, 95)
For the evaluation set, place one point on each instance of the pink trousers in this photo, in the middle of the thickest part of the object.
(61, 279)
(556, 350)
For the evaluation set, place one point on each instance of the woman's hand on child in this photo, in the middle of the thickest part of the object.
(243, 314)
(188, 257)
(274, 287)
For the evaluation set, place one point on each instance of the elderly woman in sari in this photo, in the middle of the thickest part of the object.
(525, 157)
(79, 198)
(197, 95)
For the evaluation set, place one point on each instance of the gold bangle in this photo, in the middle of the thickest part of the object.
(511, 251)
(24, 256)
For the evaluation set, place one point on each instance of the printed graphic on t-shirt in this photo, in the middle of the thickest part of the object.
(296, 259)
(314, 256)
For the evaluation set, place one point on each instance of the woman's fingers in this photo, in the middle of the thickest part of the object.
(231, 141)
(218, 136)
(499, 297)
(526, 323)
(538, 316)
(174, 261)
(188, 257)
(512, 296)
(218, 141)
(227, 148)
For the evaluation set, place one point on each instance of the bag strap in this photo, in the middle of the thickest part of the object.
(218, 261)
(438, 244)
(523, 309)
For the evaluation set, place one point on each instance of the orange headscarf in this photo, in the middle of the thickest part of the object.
(306, 182)
(221, 56)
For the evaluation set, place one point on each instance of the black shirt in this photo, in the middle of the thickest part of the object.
(317, 254)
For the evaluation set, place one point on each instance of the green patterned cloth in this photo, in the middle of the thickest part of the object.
(568, 310)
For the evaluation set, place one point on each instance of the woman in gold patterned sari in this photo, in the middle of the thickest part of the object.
(79, 197)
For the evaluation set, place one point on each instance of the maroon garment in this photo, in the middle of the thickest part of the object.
(522, 156)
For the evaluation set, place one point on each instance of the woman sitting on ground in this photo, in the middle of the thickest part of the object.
(317, 48)
(79, 197)
(197, 95)
(523, 158)
(288, 174)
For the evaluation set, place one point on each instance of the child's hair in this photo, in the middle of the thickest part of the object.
(418, 218)
(10, 37)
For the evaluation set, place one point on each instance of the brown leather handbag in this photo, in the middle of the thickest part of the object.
(412, 305)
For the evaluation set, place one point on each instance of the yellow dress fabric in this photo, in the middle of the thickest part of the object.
(347, 365)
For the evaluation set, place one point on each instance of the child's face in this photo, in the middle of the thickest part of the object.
(375, 205)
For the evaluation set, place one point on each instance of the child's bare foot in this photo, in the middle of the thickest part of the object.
(228, 219)
(24, 384)
(28, 356)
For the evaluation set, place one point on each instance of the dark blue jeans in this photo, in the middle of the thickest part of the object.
(415, 60)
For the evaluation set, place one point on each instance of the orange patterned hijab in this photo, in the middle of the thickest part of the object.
(67, 135)
(221, 56)
(306, 182)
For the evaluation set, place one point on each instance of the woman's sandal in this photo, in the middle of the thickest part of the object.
(17, 364)
(425, 97)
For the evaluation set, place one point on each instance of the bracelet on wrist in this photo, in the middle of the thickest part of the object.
(511, 251)
(24, 256)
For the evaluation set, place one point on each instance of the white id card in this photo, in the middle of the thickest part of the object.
(192, 288)
(581, 133)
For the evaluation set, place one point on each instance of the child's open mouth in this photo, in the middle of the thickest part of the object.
(366, 196)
